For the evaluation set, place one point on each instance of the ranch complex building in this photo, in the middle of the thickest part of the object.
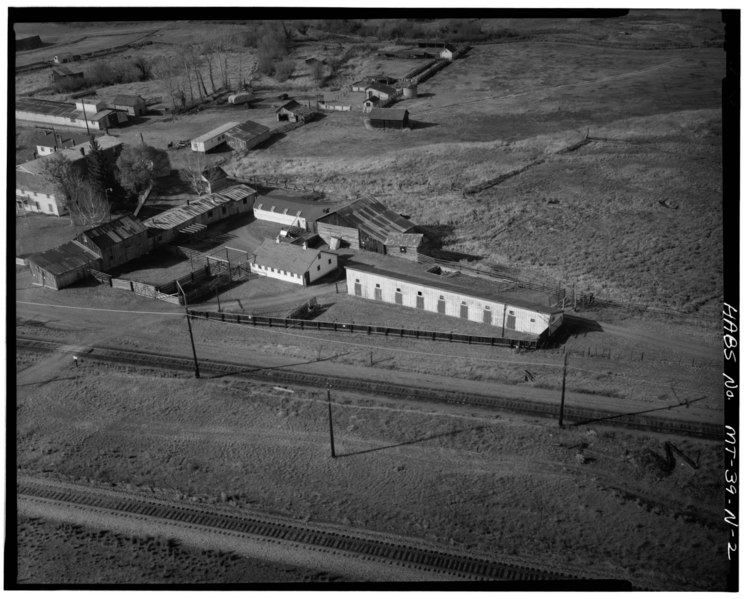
(301, 265)
(518, 315)
(369, 225)
(387, 118)
(239, 136)
(291, 211)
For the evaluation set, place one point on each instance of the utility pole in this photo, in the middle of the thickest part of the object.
(189, 328)
(330, 423)
(564, 383)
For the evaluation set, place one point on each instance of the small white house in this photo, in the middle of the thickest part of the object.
(449, 52)
(213, 138)
(292, 263)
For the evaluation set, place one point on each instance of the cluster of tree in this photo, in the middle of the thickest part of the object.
(111, 72)
(183, 74)
(90, 188)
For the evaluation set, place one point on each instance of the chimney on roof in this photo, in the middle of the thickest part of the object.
(83, 151)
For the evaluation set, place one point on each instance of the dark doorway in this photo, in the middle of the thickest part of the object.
(398, 297)
(357, 288)
(463, 310)
(487, 316)
(378, 292)
(511, 321)
(420, 302)
(441, 305)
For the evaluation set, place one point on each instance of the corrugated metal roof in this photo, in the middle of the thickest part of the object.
(214, 132)
(47, 107)
(458, 283)
(247, 131)
(51, 138)
(110, 234)
(290, 105)
(404, 239)
(178, 216)
(374, 219)
(285, 256)
(64, 258)
(388, 114)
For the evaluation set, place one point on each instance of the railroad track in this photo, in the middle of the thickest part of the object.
(373, 547)
(573, 414)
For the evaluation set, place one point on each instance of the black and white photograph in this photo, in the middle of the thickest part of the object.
(372, 298)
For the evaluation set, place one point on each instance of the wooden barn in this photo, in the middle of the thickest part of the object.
(301, 265)
(116, 242)
(387, 118)
(62, 266)
(64, 74)
(370, 103)
(246, 136)
(367, 224)
(214, 179)
(196, 215)
(404, 245)
(516, 315)
(294, 112)
(131, 104)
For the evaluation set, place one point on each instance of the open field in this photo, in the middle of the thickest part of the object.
(452, 476)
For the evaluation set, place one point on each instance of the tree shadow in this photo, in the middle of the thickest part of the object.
(172, 184)
(415, 441)
(425, 95)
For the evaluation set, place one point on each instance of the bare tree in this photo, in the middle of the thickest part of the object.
(166, 70)
(87, 206)
(192, 172)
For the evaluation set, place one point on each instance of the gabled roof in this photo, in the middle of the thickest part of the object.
(247, 130)
(55, 139)
(215, 132)
(128, 100)
(388, 114)
(291, 106)
(381, 87)
(110, 234)
(64, 258)
(372, 218)
(450, 47)
(36, 167)
(63, 71)
(179, 215)
(286, 256)
(32, 182)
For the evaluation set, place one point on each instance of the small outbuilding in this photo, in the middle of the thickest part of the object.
(64, 74)
(214, 179)
(62, 266)
(292, 111)
(247, 135)
(404, 245)
(131, 104)
(370, 103)
(301, 265)
(381, 91)
(291, 211)
(215, 137)
(387, 118)
(449, 52)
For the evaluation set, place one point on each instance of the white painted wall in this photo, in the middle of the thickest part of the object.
(57, 120)
(526, 320)
(275, 273)
(47, 203)
(284, 217)
(324, 264)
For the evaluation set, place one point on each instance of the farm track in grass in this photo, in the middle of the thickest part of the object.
(573, 414)
(373, 547)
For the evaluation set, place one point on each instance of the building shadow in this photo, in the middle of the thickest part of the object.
(274, 138)
(572, 326)
(436, 235)
(420, 124)
(414, 441)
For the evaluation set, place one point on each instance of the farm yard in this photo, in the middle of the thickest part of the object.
(582, 156)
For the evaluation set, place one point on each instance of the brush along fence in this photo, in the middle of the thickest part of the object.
(338, 327)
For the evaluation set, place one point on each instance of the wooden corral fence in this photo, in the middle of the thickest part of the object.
(350, 328)
(328, 107)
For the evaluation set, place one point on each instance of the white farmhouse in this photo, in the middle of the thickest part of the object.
(292, 263)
